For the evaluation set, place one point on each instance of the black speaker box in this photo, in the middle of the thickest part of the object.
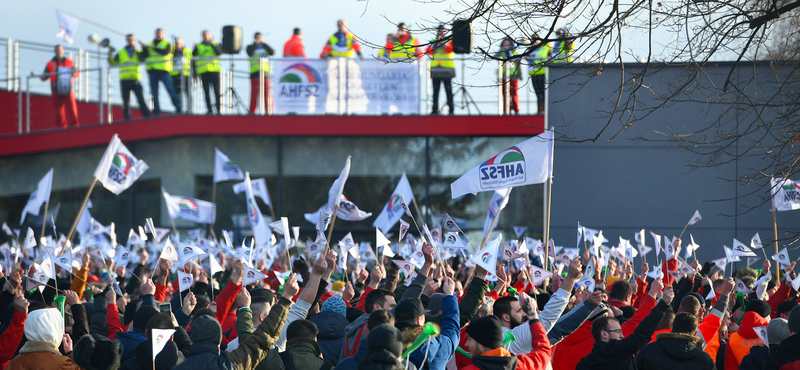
(462, 37)
(231, 39)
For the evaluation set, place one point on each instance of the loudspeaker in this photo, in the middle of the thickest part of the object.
(462, 37)
(231, 39)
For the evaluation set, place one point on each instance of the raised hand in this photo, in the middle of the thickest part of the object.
(20, 303)
(236, 274)
(290, 287)
(596, 298)
(189, 301)
(348, 292)
(71, 298)
(147, 286)
(243, 300)
(448, 286)
(655, 287)
(668, 295)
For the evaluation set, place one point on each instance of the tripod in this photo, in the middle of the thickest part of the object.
(466, 98)
(235, 100)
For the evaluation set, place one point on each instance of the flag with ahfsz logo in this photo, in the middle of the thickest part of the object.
(119, 168)
(529, 162)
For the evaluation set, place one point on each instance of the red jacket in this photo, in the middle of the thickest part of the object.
(52, 67)
(740, 342)
(9, 340)
(535, 360)
(294, 47)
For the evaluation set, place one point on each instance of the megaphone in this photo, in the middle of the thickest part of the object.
(106, 43)
(429, 331)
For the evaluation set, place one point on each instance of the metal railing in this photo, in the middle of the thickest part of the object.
(27, 94)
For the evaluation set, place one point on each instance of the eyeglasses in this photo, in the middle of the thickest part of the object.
(618, 331)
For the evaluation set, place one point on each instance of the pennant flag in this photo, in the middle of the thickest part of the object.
(487, 258)
(30, 239)
(225, 169)
(644, 250)
(68, 24)
(313, 249)
(65, 260)
(405, 267)
(587, 283)
(782, 257)
(259, 189)
(720, 263)
(755, 242)
(519, 230)
(498, 202)
(380, 239)
(639, 237)
(168, 252)
(589, 234)
(335, 192)
(448, 224)
(366, 253)
(761, 331)
(695, 218)
(39, 196)
(257, 223)
(437, 235)
(686, 269)
(391, 213)
(711, 295)
(10, 232)
(669, 249)
(656, 273)
(123, 256)
(119, 168)
(785, 194)
(729, 254)
(403, 229)
(657, 241)
(677, 275)
(529, 162)
(691, 248)
(160, 338)
(538, 275)
(452, 240)
(764, 279)
(134, 239)
(741, 287)
(740, 249)
(185, 281)
(751, 261)
(630, 251)
(281, 227)
(796, 283)
(189, 252)
(252, 275)
(348, 211)
(190, 209)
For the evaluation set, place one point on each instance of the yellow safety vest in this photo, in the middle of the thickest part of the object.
(514, 66)
(442, 59)
(130, 70)
(153, 56)
(539, 59)
(204, 66)
(179, 62)
(562, 55)
(255, 59)
(338, 51)
(405, 50)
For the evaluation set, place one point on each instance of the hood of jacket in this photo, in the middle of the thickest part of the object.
(680, 346)
(751, 320)
(496, 359)
(351, 329)
(45, 325)
(331, 325)
(583, 333)
(303, 346)
(410, 334)
(143, 357)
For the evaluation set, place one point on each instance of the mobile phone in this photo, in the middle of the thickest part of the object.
(165, 307)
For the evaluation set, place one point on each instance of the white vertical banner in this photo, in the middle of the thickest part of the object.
(377, 87)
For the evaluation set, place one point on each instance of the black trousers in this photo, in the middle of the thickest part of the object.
(176, 81)
(448, 90)
(211, 78)
(135, 86)
(538, 86)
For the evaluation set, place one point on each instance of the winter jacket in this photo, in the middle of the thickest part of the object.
(174, 353)
(673, 351)
(305, 354)
(44, 330)
(253, 350)
(567, 324)
(786, 356)
(331, 327)
(501, 359)
(130, 342)
(740, 342)
(441, 348)
(352, 362)
(11, 337)
(757, 357)
(98, 324)
(618, 354)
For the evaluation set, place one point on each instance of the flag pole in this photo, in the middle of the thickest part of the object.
(547, 222)
(682, 231)
(44, 219)
(80, 212)
(775, 229)
(214, 201)
(174, 228)
(491, 227)
(330, 231)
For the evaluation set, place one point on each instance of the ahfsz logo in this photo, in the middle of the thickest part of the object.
(504, 169)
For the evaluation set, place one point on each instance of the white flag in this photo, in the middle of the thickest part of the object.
(189, 252)
(252, 275)
(225, 169)
(348, 211)
(529, 162)
(405, 267)
(741, 288)
(761, 332)
(168, 252)
(498, 202)
(380, 239)
(510, 254)
(669, 249)
(403, 229)
(519, 230)
(39, 196)
(538, 275)
(65, 260)
(214, 266)
(190, 209)
(639, 237)
(755, 242)
(281, 227)
(134, 239)
(119, 168)
(123, 256)
(657, 241)
(740, 249)
(782, 257)
(587, 283)
(796, 283)
(452, 240)
(335, 192)
(393, 209)
(160, 338)
(257, 223)
(785, 194)
(259, 189)
(691, 248)
(729, 254)
(695, 218)
(487, 258)
(448, 224)
(68, 24)
(30, 240)
(185, 281)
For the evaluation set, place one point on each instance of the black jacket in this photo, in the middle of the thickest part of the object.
(787, 353)
(673, 351)
(618, 354)
(174, 352)
(757, 357)
(331, 334)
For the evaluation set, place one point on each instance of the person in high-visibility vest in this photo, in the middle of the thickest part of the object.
(294, 48)
(208, 69)
(130, 75)
(60, 71)
(562, 50)
(403, 45)
(159, 53)
(257, 51)
(508, 49)
(442, 67)
(181, 67)
(342, 43)
(537, 60)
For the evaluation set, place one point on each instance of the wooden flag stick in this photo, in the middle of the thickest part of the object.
(547, 223)
(682, 231)
(330, 231)
(775, 228)
(174, 228)
(80, 212)
(486, 237)
(44, 219)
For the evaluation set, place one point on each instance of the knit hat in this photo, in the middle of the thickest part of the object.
(435, 304)
(130, 311)
(353, 314)
(794, 320)
(385, 337)
(337, 286)
(143, 316)
(335, 304)
(261, 295)
(777, 330)
(407, 311)
(96, 352)
(488, 331)
(206, 329)
(786, 307)
(758, 306)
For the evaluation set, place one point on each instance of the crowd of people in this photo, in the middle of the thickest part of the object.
(442, 312)
(175, 66)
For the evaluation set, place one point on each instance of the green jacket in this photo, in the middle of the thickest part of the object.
(305, 354)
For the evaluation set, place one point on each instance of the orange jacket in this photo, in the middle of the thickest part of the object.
(740, 342)
(294, 47)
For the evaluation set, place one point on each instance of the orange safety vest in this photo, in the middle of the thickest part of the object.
(740, 346)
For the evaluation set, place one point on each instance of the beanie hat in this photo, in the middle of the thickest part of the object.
(435, 304)
(786, 307)
(261, 295)
(758, 306)
(794, 320)
(96, 352)
(407, 311)
(130, 311)
(385, 337)
(353, 314)
(206, 329)
(488, 331)
(777, 330)
(337, 286)
(335, 304)
(143, 316)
